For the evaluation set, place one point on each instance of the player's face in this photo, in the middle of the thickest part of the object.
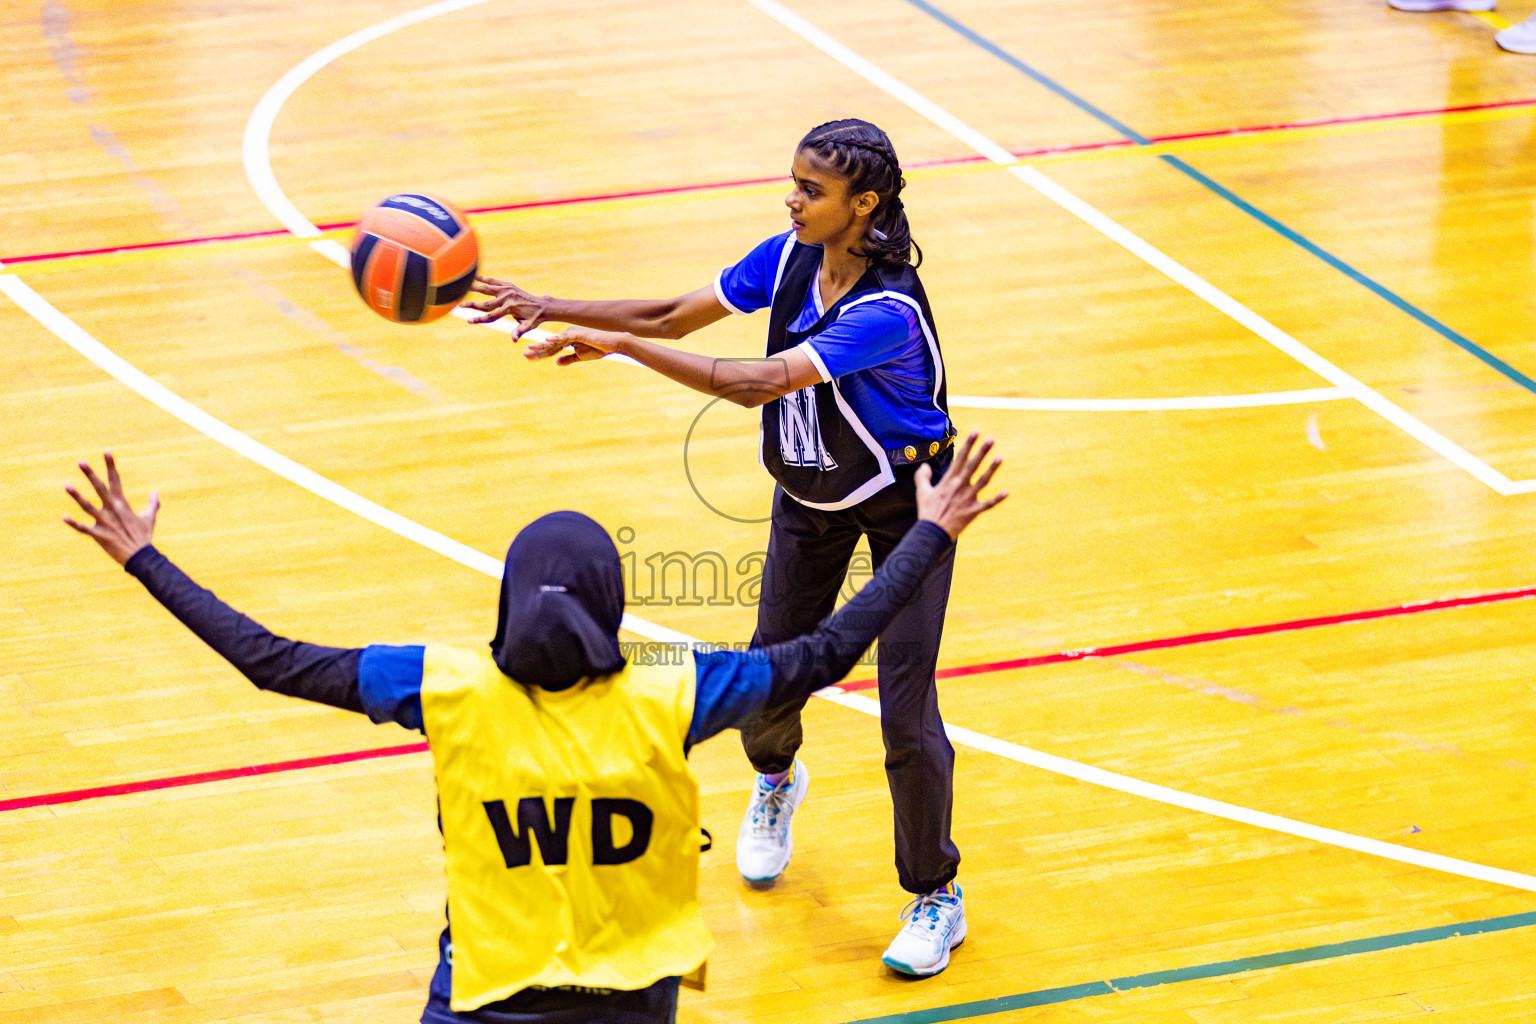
(820, 208)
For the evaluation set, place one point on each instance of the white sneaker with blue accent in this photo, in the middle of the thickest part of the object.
(764, 844)
(935, 924)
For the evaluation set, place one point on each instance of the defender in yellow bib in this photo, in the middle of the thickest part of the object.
(568, 811)
(584, 844)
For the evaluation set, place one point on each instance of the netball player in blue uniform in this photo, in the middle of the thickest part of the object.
(853, 399)
(553, 920)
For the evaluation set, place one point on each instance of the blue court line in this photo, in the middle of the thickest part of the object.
(1018, 65)
(1069, 993)
(1442, 329)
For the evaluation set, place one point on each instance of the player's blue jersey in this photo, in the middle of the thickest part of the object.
(876, 350)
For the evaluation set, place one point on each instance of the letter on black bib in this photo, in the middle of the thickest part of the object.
(640, 818)
(532, 820)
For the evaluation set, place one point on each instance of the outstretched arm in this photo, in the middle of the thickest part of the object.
(800, 667)
(622, 325)
(745, 382)
(327, 675)
(649, 318)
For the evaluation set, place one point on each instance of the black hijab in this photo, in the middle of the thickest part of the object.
(562, 597)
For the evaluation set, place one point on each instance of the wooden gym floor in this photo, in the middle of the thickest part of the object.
(1132, 211)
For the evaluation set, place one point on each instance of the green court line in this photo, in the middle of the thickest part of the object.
(1068, 993)
(1359, 277)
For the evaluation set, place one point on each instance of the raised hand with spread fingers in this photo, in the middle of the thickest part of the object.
(119, 530)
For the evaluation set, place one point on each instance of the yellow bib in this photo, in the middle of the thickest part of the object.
(571, 826)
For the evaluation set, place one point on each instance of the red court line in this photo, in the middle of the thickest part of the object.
(197, 778)
(748, 182)
(1221, 634)
(1359, 119)
(504, 208)
(175, 781)
(141, 246)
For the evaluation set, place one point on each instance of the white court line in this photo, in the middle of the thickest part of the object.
(1154, 257)
(79, 339)
(258, 167)
(1149, 404)
(256, 151)
(1358, 390)
(1205, 805)
(137, 381)
(1086, 773)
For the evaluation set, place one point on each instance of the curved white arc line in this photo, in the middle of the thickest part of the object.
(1205, 805)
(258, 129)
(258, 168)
(142, 384)
(259, 172)
(1150, 404)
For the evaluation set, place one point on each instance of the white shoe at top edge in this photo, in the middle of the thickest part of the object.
(1519, 38)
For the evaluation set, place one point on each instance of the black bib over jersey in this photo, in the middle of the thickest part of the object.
(813, 443)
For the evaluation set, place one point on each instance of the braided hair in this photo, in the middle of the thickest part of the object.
(861, 153)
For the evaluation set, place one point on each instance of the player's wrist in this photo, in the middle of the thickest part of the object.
(943, 522)
(550, 310)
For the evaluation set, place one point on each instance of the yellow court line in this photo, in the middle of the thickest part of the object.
(1491, 18)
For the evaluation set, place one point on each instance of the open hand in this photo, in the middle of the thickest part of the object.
(119, 530)
(506, 299)
(955, 501)
(583, 344)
